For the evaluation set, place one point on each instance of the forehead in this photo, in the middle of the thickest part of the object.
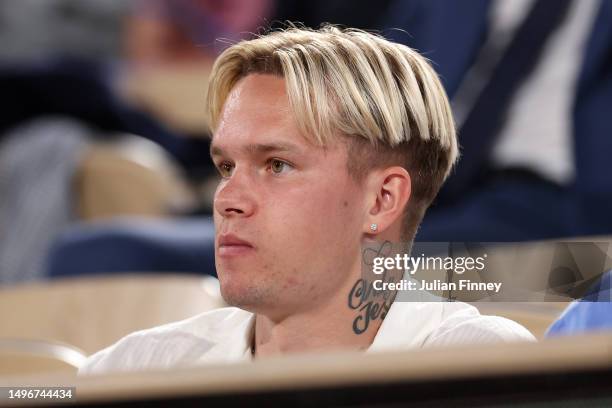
(257, 106)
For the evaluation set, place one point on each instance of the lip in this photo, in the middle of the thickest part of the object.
(232, 245)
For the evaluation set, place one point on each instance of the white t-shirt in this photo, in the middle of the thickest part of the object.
(224, 336)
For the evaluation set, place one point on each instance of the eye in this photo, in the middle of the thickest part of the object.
(278, 166)
(225, 169)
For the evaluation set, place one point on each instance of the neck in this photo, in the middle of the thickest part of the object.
(348, 321)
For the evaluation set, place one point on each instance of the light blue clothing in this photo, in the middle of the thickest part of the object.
(593, 313)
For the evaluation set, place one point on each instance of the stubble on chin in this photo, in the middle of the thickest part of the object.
(248, 297)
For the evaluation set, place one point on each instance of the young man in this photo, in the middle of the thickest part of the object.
(326, 141)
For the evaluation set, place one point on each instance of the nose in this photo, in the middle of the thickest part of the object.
(235, 196)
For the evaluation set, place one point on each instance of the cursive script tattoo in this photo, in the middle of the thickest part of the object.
(371, 304)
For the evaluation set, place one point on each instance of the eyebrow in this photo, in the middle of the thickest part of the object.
(257, 148)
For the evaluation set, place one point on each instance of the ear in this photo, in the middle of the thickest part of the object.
(390, 190)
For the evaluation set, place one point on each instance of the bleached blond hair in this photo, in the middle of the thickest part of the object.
(385, 97)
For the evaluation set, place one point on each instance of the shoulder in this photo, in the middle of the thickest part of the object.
(167, 345)
(581, 317)
(463, 324)
(437, 323)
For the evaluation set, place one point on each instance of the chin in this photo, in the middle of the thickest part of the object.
(242, 294)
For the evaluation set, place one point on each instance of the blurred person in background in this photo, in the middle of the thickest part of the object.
(59, 111)
(590, 314)
(179, 31)
(56, 73)
(531, 86)
(34, 30)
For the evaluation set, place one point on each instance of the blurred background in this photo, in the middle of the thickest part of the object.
(104, 164)
(103, 120)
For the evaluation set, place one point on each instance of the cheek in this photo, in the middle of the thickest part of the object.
(325, 213)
